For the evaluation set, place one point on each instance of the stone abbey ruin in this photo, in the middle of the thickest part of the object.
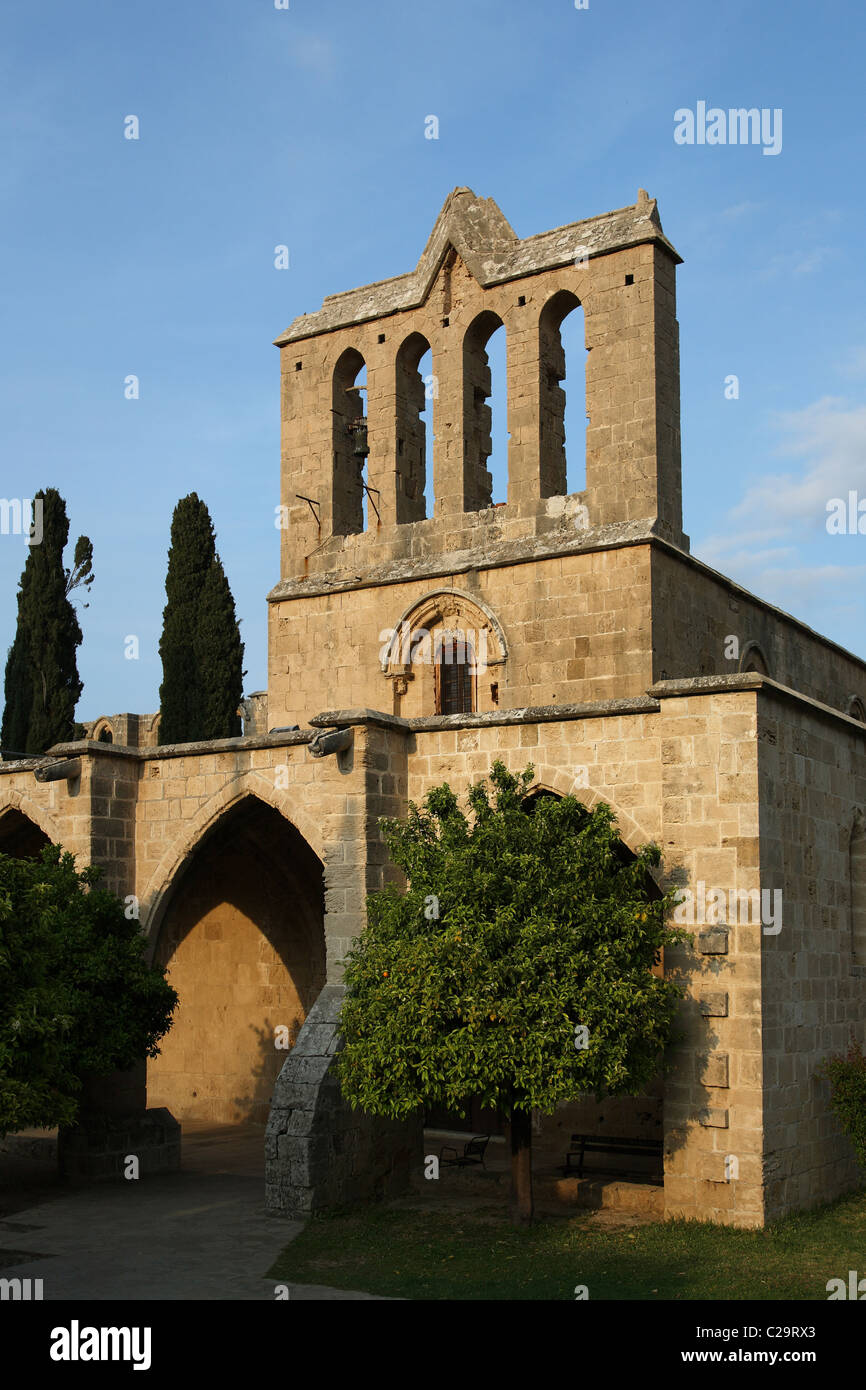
(593, 645)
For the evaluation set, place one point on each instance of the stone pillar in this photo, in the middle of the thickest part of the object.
(318, 1152)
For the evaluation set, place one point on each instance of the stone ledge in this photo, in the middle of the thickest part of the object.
(492, 719)
(484, 556)
(91, 748)
(706, 685)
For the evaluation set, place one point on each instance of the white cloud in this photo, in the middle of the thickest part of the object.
(826, 444)
(801, 262)
(830, 438)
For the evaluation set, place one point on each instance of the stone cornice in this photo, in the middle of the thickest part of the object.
(525, 550)
(91, 748)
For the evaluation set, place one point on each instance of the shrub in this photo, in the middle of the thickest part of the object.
(847, 1077)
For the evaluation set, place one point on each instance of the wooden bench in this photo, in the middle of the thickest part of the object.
(473, 1152)
(583, 1144)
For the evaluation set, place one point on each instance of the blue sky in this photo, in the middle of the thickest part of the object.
(305, 127)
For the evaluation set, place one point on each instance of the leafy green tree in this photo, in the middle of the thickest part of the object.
(42, 685)
(201, 649)
(517, 932)
(847, 1077)
(77, 998)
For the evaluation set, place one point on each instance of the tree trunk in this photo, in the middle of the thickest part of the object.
(521, 1167)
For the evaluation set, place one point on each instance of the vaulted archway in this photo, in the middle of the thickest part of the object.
(243, 939)
(21, 837)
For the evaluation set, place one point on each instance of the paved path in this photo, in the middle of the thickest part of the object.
(200, 1233)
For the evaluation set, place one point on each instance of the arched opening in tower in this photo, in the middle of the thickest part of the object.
(562, 389)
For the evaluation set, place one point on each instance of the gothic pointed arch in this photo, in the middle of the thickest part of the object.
(752, 658)
(241, 935)
(158, 889)
(478, 389)
(24, 827)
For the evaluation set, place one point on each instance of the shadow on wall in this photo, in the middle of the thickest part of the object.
(274, 1042)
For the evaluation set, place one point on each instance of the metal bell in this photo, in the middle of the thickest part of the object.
(358, 429)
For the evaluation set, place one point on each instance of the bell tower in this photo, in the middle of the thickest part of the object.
(353, 480)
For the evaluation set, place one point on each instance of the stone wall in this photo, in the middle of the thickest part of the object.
(696, 611)
(680, 770)
(577, 628)
(812, 775)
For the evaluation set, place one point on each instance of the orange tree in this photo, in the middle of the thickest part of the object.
(77, 997)
(515, 967)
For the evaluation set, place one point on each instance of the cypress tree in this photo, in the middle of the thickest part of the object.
(220, 654)
(200, 647)
(42, 684)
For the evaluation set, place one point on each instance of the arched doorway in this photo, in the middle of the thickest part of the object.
(243, 939)
(20, 837)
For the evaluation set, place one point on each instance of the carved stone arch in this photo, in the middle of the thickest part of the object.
(156, 895)
(856, 708)
(15, 800)
(752, 658)
(446, 605)
(100, 729)
(411, 651)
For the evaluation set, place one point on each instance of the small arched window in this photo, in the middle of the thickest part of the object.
(105, 735)
(856, 709)
(455, 674)
(753, 659)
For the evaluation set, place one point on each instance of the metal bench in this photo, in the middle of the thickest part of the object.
(583, 1144)
(473, 1152)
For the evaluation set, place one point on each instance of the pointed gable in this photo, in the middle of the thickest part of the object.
(481, 235)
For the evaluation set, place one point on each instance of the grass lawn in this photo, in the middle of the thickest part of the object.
(413, 1252)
